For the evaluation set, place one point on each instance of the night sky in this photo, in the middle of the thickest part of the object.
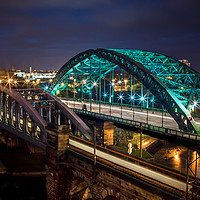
(47, 33)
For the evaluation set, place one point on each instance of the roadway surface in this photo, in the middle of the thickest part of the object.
(157, 118)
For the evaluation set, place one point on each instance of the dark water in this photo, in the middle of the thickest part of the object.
(22, 188)
(15, 160)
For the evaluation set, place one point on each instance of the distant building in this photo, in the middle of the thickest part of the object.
(5, 74)
(185, 62)
(35, 74)
(13, 67)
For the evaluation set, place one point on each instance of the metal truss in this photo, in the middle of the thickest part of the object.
(26, 112)
(181, 79)
(20, 118)
(54, 111)
(172, 83)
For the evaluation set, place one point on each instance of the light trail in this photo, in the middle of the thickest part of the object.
(115, 108)
(124, 110)
(131, 166)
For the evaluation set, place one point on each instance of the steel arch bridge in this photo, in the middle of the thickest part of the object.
(26, 113)
(113, 75)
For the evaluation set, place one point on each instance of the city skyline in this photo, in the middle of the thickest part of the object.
(47, 34)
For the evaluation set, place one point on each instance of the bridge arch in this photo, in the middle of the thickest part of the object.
(54, 111)
(26, 113)
(79, 189)
(167, 97)
(20, 118)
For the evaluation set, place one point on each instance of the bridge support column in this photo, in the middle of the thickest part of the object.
(58, 176)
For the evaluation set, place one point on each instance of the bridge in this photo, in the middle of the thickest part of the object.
(115, 85)
(119, 84)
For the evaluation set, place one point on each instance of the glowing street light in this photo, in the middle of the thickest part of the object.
(94, 83)
(46, 87)
(113, 84)
(84, 81)
(142, 98)
(132, 97)
(120, 96)
(62, 84)
(105, 95)
(50, 80)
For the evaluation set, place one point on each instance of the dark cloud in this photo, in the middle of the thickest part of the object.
(48, 33)
(36, 4)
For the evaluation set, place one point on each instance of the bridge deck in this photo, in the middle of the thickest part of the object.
(155, 176)
(156, 122)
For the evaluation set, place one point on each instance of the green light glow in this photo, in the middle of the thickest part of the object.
(98, 75)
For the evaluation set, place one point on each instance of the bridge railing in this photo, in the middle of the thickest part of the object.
(166, 131)
(142, 108)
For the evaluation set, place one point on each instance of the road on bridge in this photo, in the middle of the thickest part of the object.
(145, 116)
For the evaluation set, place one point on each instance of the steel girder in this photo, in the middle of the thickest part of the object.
(72, 116)
(21, 119)
(67, 66)
(50, 107)
(150, 77)
(23, 113)
(181, 79)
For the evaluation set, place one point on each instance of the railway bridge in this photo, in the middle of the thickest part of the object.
(77, 166)
(111, 85)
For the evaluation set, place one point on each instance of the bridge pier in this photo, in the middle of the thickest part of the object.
(70, 175)
(58, 176)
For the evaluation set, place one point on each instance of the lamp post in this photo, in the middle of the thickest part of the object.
(95, 158)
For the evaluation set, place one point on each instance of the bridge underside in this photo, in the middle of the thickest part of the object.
(131, 78)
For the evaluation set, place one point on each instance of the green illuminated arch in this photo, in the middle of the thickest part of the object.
(172, 82)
